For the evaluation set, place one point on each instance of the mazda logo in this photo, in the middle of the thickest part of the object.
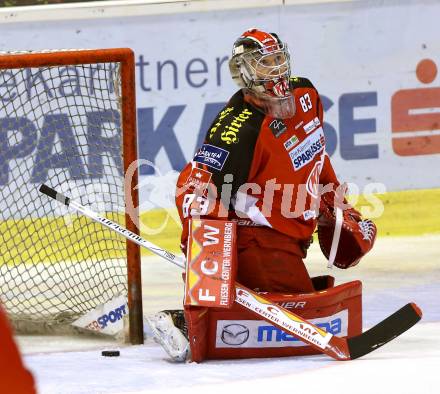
(235, 334)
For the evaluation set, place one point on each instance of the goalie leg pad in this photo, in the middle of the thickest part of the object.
(197, 320)
(218, 333)
(211, 263)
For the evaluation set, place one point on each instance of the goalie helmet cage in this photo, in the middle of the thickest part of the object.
(68, 119)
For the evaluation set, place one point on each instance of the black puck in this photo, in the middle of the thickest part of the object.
(110, 353)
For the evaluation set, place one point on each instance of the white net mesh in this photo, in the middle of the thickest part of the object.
(59, 125)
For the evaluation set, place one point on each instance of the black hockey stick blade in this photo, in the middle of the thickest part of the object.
(48, 191)
(385, 331)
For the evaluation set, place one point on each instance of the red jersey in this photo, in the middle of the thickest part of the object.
(259, 170)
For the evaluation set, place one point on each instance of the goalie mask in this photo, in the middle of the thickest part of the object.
(260, 63)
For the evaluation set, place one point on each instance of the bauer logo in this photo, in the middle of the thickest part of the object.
(212, 156)
(259, 333)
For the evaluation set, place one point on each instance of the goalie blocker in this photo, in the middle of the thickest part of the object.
(219, 329)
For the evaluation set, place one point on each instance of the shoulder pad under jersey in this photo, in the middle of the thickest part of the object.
(230, 143)
(300, 82)
(234, 123)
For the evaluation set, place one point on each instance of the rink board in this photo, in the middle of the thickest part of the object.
(404, 214)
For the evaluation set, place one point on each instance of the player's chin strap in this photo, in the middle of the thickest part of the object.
(336, 237)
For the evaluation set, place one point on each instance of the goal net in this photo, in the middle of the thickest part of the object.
(67, 119)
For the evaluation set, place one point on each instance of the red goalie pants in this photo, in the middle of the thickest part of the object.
(271, 261)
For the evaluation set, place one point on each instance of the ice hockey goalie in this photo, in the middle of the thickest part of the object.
(263, 165)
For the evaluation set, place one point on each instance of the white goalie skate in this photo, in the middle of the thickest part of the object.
(168, 335)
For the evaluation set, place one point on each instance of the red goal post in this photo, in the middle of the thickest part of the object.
(65, 116)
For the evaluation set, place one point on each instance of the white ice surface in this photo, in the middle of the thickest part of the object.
(396, 272)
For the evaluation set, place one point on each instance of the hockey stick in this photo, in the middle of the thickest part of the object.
(335, 347)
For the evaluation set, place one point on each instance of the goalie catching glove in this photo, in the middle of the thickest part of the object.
(357, 235)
